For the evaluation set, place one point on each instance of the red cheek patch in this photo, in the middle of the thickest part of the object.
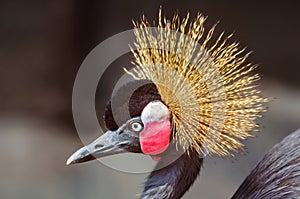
(155, 138)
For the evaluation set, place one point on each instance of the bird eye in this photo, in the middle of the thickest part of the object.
(136, 126)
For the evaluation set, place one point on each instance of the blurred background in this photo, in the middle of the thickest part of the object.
(43, 43)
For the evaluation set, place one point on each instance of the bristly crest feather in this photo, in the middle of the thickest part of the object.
(208, 88)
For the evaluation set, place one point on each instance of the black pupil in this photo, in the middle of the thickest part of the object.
(135, 126)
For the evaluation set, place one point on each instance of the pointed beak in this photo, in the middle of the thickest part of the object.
(110, 143)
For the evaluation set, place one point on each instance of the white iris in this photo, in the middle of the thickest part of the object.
(136, 126)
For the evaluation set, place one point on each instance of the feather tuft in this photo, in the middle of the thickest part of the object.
(208, 88)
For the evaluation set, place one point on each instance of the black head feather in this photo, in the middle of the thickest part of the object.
(130, 98)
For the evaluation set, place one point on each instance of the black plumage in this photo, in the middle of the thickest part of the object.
(172, 180)
(277, 175)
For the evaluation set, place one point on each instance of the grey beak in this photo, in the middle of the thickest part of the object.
(81, 155)
(110, 143)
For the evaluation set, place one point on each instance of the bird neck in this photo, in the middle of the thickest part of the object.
(172, 180)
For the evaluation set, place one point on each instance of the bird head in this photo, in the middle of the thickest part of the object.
(148, 134)
(201, 96)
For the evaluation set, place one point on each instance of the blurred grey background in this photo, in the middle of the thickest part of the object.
(42, 44)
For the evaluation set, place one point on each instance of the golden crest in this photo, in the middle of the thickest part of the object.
(207, 86)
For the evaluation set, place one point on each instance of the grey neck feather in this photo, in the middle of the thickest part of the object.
(171, 181)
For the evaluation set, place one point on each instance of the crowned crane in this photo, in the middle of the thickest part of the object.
(192, 101)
